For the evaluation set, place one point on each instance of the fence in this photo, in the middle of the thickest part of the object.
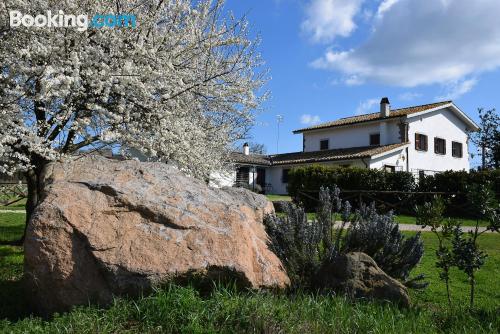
(401, 202)
(12, 193)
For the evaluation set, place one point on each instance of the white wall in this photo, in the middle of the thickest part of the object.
(396, 159)
(353, 135)
(443, 124)
(221, 179)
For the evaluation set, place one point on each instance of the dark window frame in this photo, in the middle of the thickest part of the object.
(284, 175)
(437, 146)
(418, 142)
(321, 142)
(390, 168)
(375, 135)
(461, 151)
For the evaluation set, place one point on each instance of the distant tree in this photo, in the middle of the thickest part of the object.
(487, 139)
(182, 85)
(257, 148)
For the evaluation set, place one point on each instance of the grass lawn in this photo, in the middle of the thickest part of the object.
(12, 207)
(403, 219)
(278, 197)
(17, 205)
(182, 310)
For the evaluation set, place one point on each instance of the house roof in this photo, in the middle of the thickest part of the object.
(315, 156)
(333, 155)
(376, 116)
(251, 159)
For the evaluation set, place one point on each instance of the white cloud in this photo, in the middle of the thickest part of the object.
(409, 96)
(419, 42)
(384, 6)
(366, 107)
(327, 19)
(457, 89)
(307, 119)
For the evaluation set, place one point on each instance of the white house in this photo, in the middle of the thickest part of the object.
(423, 139)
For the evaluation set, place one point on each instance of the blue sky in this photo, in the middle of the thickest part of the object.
(336, 58)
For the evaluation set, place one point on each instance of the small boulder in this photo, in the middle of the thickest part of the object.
(357, 275)
(106, 227)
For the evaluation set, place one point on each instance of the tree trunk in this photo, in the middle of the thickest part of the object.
(472, 287)
(34, 193)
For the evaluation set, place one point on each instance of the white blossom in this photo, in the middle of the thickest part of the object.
(183, 85)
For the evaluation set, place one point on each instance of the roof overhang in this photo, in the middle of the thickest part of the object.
(399, 148)
(456, 110)
(350, 125)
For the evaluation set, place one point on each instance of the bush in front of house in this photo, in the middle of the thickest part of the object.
(304, 246)
(460, 183)
(304, 183)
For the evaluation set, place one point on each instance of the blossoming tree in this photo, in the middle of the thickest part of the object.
(182, 85)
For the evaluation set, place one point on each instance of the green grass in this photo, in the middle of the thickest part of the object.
(18, 205)
(404, 219)
(278, 197)
(488, 277)
(11, 225)
(16, 208)
(182, 310)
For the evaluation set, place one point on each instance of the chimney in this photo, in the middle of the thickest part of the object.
(385, 107)
(246, 149)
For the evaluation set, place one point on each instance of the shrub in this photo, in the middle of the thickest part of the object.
(460, 182)
(304, 246)
(431, 214)
(465, 253)
(305, 182)
(379, 236)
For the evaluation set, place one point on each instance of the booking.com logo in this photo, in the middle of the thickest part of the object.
(81, 22)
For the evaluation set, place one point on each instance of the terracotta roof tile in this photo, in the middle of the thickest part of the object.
(374, 116)
(332, 155)
(251, 159)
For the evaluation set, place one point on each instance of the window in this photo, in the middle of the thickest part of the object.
(390, 169)
(439, 146)
(456, 149)
(375, 139)
(323, 144)
(284, 176)
(420, 142)
(421, 174)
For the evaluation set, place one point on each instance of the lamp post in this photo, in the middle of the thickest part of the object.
(279, 120)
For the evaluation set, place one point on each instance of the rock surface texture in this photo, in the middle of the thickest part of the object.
(357, 275)
(107, 227)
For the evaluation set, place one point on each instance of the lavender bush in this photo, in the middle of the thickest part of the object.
(303, 246)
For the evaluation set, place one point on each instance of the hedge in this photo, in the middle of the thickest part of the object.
(459, 182)
(304, 184)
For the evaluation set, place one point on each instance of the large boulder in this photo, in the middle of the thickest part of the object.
(357, 275)
(107, 227)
